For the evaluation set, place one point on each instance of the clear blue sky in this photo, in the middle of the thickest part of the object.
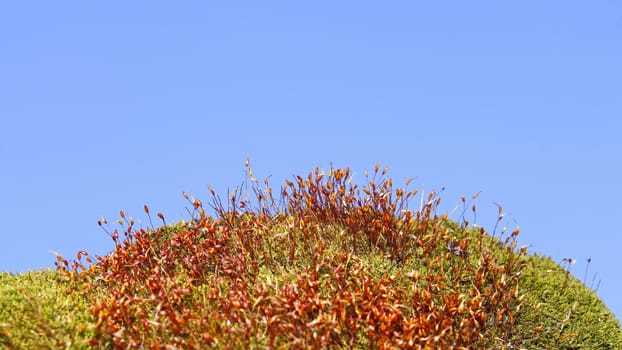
(112, 105)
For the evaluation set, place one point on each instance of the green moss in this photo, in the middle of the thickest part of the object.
(37, 313)
(559, 312)
(337, 260)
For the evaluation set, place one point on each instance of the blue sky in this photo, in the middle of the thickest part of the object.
(110, 106)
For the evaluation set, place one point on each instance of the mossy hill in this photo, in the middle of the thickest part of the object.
(323, 264)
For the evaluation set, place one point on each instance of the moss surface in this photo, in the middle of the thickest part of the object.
(36, 312)
(333, 266)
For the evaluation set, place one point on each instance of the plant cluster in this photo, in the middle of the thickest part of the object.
(325, 263)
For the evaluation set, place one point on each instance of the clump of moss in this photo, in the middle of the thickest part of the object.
(328, 264)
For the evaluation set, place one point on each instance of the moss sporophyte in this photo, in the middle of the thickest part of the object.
(322, 263)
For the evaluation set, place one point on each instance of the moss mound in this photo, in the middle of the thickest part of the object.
(325, 263)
